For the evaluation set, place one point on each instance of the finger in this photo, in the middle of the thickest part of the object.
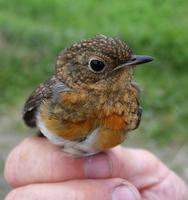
(36, 160)
(114, 189)
(46, 163)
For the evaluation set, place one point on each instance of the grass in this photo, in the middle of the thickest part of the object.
(32, 33)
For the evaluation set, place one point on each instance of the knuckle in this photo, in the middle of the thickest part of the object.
(148, 155)
(149, 160)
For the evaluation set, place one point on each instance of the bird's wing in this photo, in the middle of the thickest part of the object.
(42, 92)
(139, 111)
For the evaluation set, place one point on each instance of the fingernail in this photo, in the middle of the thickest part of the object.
(124, 192)
(98, 166)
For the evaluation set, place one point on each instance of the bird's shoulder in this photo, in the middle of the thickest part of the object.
(43, 92)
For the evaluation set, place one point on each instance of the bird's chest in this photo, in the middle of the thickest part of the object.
(90, 121)
(89, 110)
(81, 106)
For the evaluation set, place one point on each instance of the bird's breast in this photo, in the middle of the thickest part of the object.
(74, 116)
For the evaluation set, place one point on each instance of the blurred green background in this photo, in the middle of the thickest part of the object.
(32, 33)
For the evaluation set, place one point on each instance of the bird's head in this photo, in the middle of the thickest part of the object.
(97, 63)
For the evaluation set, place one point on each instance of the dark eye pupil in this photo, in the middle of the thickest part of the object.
(97, 65)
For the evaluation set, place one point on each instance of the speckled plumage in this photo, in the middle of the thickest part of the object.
(86, 111)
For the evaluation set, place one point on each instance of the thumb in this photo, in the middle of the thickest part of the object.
(137, 166)
(126, 191)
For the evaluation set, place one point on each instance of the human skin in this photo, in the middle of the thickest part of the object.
(37, 169)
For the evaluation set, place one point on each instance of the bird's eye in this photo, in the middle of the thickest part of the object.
(96, 65)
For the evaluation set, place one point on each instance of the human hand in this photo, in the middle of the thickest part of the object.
(37, 169)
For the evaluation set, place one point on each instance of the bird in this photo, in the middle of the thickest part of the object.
(91, 101)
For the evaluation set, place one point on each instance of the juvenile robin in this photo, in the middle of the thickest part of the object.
(91, 101)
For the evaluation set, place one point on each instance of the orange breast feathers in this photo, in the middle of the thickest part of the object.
(112, 132)
(68, 122)
(113, 122)
(66, 129)
(75, 130)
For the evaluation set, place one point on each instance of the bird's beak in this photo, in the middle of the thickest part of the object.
(135, 60)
